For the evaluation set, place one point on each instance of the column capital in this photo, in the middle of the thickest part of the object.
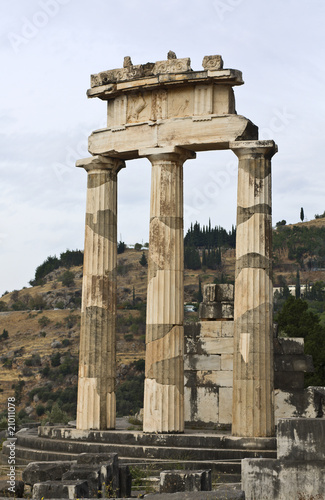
(169, 153)
(251, 149)
(100, 162)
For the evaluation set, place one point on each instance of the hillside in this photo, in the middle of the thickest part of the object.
(39, 325)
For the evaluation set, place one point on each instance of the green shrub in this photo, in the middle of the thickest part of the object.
(59, 304)
(67, 278)
(55, 359)
(26, 372)
(46, 371)
(42, 334)
(65, 342)
(129, 396)
(40, 410)
(22, 414)
(143, 261)
(44, 321)
(37, 303)
(18, 306)
(57, 416)
(71, 320)
(128, 337)
(139, 365)
(69, 366)
(121, 247)
(34, 360)
(71, 258)
(18, 391)
(4, 335)
(7, 363)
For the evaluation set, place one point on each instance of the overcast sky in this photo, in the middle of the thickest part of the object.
(48, 50)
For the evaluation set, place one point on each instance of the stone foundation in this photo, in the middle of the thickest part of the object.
(298, 472)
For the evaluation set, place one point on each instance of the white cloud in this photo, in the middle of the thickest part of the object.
(46, 117)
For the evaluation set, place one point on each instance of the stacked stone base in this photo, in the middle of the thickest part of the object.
(298, 472)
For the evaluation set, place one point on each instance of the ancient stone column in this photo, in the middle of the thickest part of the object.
(253, 399)
(164, 383)
(96, 408)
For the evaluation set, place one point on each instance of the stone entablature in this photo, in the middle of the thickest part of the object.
(168, 104)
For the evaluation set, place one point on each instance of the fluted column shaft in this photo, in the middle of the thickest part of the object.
(96, 407)
(164, 383)
(253, 398)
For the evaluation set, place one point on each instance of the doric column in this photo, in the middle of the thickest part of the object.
(164, 383)
(96, 408)
(253, 399)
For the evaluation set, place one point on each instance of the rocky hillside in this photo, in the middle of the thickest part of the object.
(39, 325)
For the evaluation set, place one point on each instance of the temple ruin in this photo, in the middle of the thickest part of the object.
(165, 112)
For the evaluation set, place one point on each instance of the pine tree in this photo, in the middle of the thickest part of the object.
(302, 215)
(204, 258)
(298, 293)
(143, 261)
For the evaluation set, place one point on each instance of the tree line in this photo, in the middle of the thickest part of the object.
(67, 259)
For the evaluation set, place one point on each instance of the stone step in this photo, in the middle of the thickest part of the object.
(24, 439)
(187, 440)
(153, 466)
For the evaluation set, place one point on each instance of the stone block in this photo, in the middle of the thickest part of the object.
(227, 362)
(206, 408)
(272, 479)
(221, 345)
(173, 481)
(226, 493)
(293, 363)
(289, 404)
(38, 472)
(125, 480)
(89, 473)
(218, 378)
(202, 362)
(210, 329)
(225, 405)
(209, 293)
(227, 329)
(227, 310)
(288, 381)
(210, 310)
(301, 439)
(288, 345)
(16, 488)
(225, 293)
(109, 469)
(212, 62)
(61, 489)
(216, 310)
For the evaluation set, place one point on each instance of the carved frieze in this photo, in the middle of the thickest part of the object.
(138, 108)
(212, 62)
(159, 105)
(203, 100)
(172, 66)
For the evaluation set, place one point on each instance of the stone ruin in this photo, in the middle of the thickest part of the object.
(165, 112)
